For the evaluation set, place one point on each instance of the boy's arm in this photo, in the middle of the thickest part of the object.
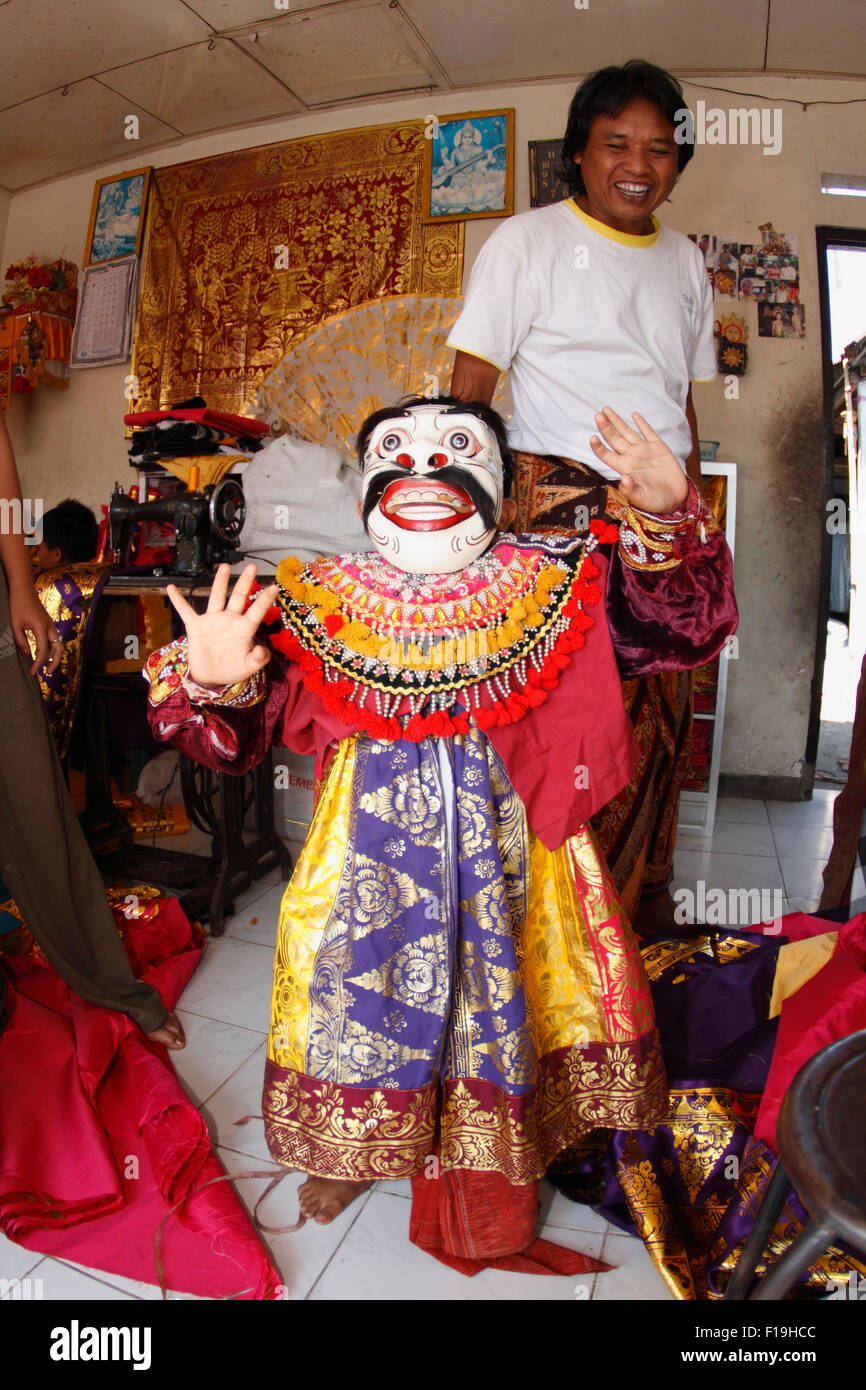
(25, 611)
(225, 694)
(693, 462)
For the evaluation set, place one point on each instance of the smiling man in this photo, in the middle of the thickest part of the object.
(588, 300)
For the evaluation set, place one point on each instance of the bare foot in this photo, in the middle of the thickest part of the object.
(170, 1033)
(322, 1199)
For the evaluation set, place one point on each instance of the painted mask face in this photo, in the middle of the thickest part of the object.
(432, 489)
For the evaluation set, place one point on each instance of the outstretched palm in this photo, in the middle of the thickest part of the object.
(221, 647)
(651, 477)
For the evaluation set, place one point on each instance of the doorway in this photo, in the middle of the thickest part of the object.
(841, 636)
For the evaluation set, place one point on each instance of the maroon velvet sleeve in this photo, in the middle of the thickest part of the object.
(673, 619)
(234, 740)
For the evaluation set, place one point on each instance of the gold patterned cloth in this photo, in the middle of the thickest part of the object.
(247, 251)
(428, 939)
(453, 962)
(68, 594)
(692, 1187)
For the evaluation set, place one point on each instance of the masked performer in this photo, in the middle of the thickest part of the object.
(457, 990)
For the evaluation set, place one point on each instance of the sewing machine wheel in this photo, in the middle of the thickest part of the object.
(227, 510)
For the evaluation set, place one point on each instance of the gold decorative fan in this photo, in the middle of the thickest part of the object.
(357, 361)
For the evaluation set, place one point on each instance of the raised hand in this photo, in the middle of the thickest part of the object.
(651, 477)
(221, 647)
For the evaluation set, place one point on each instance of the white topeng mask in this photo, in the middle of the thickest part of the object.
(425, 523)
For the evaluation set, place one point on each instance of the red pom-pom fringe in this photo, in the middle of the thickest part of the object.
(605, 531)
(337, 696)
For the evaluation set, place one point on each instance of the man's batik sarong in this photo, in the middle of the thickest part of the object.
(637, 830)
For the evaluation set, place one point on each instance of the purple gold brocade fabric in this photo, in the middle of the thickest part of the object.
(412, 965)
(69, 596)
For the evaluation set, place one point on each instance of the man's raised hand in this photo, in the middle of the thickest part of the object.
(650, 475)
(221, 647)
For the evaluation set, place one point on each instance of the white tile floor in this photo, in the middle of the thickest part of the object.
(366, 1253)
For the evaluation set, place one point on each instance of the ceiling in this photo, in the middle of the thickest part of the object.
(74, 71)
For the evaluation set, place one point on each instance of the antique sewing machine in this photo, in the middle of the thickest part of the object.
(203, 528)
(207, 524)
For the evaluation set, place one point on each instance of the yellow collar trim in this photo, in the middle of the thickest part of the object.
(624, 238)
(525, 612)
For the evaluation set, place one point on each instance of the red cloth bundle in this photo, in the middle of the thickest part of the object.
(830, 1006)
(98, 1140)
(213, 419)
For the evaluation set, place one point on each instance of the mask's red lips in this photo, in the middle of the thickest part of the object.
(424, 504)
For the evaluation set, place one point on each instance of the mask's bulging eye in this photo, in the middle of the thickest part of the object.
(462, 442)
(391, 442)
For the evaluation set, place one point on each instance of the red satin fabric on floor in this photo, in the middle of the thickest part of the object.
(473, 1221)
(98, 1140)
(830, 1006)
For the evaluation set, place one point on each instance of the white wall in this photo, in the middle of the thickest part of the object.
(73, 442)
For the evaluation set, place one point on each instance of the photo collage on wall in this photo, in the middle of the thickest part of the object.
(766, 272)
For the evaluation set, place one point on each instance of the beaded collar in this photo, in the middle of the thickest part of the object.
(407, 656)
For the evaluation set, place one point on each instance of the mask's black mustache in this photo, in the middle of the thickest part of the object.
(458, 477)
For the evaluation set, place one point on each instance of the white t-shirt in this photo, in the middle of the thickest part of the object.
(584, 316)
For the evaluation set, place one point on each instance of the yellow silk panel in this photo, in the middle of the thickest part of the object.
(305, 911)
(585, 981)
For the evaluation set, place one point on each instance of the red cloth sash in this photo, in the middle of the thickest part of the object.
(473, 1221)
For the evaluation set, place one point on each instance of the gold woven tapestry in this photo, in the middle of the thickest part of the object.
(247, 251)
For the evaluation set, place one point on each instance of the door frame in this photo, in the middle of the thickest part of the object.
(825, 238)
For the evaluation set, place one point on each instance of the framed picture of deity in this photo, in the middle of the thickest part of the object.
(469, 166)
(117, 217)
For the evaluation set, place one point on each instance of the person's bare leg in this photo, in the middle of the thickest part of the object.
(655, 916)
(322, 1199)
(170, 1033)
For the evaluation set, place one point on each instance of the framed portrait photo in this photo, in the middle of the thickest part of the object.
(469, 166)
(117, 217)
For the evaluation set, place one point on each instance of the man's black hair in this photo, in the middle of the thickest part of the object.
(607, 93)
(451, 405)
(70, 527)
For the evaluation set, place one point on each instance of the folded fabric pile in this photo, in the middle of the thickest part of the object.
(738, 1013)
(191, 432)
